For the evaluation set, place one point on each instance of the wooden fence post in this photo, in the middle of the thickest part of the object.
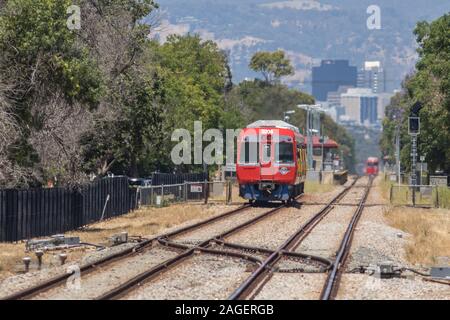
(437, 197)
(205, 191)
(390, 194)
(229, 192)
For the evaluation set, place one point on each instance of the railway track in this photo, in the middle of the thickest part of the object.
(205, 247)
(140, 248)
(334, 277)
(164, 241)
(264, 260)
(258, 279)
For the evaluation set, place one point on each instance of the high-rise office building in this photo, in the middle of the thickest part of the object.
(330, 75)
(373, 76)
(360, 105)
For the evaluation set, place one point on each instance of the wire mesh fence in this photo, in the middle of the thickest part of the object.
(205, 191)
(420, 196)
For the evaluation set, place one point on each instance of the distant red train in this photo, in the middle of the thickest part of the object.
(372, 166)
(271, 162)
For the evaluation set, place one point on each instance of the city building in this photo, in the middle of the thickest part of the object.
(360, 105)
(330, 75)
(373, 76)
(334, 102)
(384, 99)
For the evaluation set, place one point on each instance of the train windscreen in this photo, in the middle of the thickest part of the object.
(284, 152)
(249, 151)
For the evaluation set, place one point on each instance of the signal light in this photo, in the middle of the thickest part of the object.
(414, 125)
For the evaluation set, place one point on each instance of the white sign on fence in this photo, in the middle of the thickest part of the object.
(230, 168)
(196, 188)
(438, 181)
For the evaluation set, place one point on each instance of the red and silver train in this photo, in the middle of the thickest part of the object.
(271, 162)
(372, 166)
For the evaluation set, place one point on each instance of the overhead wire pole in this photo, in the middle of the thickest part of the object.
(397, 154)
(310, 110)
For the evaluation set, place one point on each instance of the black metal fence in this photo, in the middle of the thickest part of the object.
(32, 213)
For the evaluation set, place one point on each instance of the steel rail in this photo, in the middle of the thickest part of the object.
(150, 274)
(262, 275)
(288, 254)
(334, 277)
(326, 263)
(123, 255)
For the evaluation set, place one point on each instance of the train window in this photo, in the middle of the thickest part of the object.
(249, 152)
(267, 153)
(284, 152)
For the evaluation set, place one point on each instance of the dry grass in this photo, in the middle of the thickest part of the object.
(430, 230)
(316, 187)
(146, 222)
(10, 257)
(385, 187)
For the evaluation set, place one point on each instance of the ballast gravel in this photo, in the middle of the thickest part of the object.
(199, 278)
(218, 227)
(364, 287)
(293, 286)
(325, 238)
(272, 232)
(95, 284)
(23, 281)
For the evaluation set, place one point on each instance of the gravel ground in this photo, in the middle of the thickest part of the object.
(375, 196)
(261, 256)
(325, 238)
(24, 281)
(363, 287)
(265, 235)
(216, 228)
(305, 265)
(323, 197)
(293, 286)
(202, 277)
(95, 284)
(375, 242)
(354, 195)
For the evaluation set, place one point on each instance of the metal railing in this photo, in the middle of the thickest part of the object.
(203, 191)
(420, 196)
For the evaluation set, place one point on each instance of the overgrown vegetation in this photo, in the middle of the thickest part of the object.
(430, 84)
(106, 98)
(430, 231)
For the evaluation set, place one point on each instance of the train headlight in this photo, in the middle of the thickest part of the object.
(284, 171)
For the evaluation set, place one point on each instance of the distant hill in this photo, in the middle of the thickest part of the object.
(308, 30)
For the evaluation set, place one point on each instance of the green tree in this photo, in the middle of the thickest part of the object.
(195, 81)
(126, 128)
(272, 65)
(45, 65)
(258, 100)
(430, 84)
